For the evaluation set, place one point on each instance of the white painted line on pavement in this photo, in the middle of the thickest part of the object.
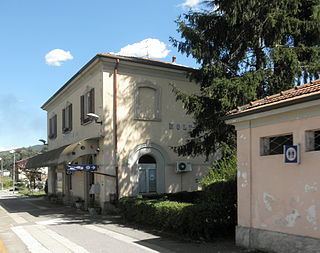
(124, 238)
(33, 245)
(64, 241)
(16, 217)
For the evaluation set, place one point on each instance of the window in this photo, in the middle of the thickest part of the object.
(67, 119)
(147, 102)
(313, 140)
(53, 127)
(87, 106)
(147, 174)
(274, 145)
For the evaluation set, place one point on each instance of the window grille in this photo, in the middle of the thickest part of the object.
(313, 140)
(274, 145)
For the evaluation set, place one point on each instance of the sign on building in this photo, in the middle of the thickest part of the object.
(291, 153)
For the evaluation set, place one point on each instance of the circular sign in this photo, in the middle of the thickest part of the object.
(291, 154)
(182, 166)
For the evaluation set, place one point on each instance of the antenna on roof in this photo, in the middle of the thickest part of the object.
(147, 48)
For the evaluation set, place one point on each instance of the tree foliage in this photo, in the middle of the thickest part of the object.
(248, 49)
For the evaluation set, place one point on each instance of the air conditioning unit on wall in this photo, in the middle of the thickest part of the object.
(183, 167)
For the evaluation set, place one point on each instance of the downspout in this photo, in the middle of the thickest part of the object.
(115, 126)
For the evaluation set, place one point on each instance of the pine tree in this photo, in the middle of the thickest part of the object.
(247, 49)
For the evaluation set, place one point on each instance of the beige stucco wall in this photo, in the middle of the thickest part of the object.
(273, 195)
(131, 132)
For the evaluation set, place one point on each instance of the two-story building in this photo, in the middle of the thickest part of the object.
(119, 115)
(278, 142)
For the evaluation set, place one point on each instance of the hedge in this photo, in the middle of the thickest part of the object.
(213, 214)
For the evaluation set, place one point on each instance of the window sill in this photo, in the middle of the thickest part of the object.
(67, 131)
(86, 122)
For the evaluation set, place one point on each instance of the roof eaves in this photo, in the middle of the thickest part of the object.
(273, 107)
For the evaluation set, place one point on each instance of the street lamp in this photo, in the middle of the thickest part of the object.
(1, 173)
(14, 168)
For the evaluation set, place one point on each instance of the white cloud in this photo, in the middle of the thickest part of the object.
(152, 48)
(191, 3)
(56, 56)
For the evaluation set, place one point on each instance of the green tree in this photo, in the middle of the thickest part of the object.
(247, 49)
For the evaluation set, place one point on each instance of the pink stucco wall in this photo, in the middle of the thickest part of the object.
(273, 195)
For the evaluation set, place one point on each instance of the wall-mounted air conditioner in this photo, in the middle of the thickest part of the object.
(183, 167)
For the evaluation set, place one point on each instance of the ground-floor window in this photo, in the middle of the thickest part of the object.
(313, 140)
(274, 145)
(147, 174)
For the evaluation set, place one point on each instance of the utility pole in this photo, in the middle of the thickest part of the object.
(1, 173)
(14, 169)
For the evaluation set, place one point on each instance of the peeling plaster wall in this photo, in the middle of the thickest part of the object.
(273, 195)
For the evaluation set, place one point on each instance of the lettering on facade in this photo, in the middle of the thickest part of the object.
(179, 126)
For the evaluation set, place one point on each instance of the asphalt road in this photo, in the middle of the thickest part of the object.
(36, 225)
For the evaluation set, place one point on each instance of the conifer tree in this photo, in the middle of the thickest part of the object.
(247, 49)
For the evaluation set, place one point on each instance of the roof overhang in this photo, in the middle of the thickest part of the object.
(256, 111)
(64, 154)
(112, 58)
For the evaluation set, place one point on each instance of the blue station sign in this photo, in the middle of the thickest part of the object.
(82, 167)
(291, 153)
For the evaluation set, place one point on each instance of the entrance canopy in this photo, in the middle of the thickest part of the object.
(64, 154)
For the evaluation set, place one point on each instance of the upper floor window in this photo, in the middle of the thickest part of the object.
(53, 127)
(87, 105)
(67, 119)
(313, 140)
(147, 102)
(274, 145)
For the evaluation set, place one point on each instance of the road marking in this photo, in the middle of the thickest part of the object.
(14, 216)
(125, 239)
(38, 233)
(64, 241)
(3, 248)
(32, 244)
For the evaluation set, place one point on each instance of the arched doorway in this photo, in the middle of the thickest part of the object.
(153, 157)
(147, 168)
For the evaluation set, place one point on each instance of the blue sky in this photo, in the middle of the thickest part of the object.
(32, 69)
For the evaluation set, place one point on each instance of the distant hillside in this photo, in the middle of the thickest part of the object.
(36, 148)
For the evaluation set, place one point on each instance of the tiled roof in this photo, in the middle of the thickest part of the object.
(294, 95)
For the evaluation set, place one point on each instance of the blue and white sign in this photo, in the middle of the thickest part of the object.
(82, 167)
(291, 153)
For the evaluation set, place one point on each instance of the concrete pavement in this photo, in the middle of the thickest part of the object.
(36, 225)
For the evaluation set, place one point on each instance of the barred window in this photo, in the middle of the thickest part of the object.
(313, 140)
(274, 145)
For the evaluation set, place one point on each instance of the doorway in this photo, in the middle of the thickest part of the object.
(147, 168)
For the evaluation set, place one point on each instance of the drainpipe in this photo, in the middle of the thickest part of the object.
(115, 126)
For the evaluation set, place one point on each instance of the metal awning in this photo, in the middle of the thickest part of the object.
(64, 154)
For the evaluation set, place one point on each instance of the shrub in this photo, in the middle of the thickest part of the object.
(203, 220)
(224, 170)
